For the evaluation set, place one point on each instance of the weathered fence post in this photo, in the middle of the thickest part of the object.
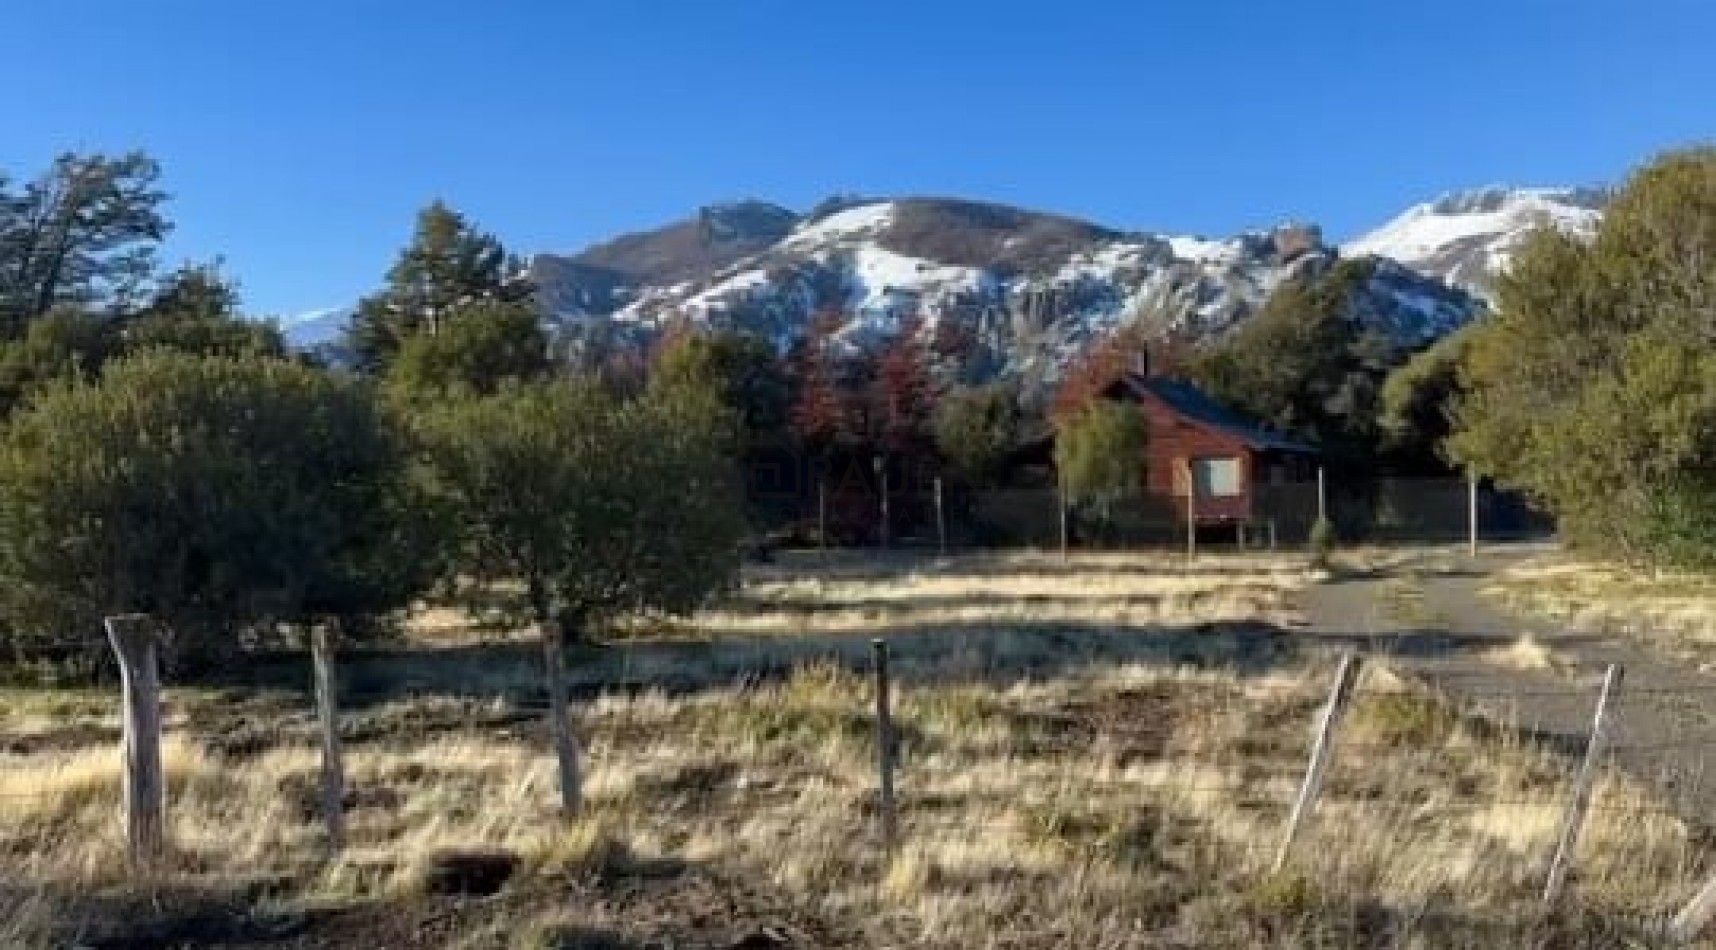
(1472, 513)
(885, 804)
(1191, 515)
(323, 642)
(1322, 494)
(1271, 534)
(1340, 696)
(559, 725)
(940, 519)
(143, 792)
(1061, 503)
(822, 516)
(1573, 821)
(1695, 916)
(886, 529)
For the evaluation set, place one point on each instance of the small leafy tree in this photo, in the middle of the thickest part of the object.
(594, 505)
(976, 427)
(747, 384)
(1099, 452)
(901, 397)
(1099, 366)
(197, 311)
(1418, 401)
(480, 347)
(66, 343)
(740, 370)
(821, 412)
(222, 495)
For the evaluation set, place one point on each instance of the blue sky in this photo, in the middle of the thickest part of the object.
(299, 136)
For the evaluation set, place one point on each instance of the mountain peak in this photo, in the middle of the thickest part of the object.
(1492, 198)
(748, 219)
(1466, 238)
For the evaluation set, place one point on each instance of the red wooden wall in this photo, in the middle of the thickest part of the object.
(1172, 441)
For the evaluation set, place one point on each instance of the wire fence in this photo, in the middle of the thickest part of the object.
(1285, 781)
(1263, 512)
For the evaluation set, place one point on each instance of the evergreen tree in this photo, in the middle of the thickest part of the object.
(1594, 386)
(83, 233)
(196, 310)
(1304, 365)
(448, 264)
(1418, 402)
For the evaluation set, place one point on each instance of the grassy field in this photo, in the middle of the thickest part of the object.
(1671, 611)
(1095, 753)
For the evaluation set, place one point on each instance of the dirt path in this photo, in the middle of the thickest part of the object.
(1427, 616)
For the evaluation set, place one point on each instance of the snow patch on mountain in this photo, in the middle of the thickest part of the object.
(314, 328)
(1468, 238)
(1201, 250)
(859, 222)
(1026, 292)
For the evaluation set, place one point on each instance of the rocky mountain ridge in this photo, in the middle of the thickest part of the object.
(1031, 289)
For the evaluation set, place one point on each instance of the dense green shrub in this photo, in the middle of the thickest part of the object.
(596, 506)
(222, 495)
(1593, 388)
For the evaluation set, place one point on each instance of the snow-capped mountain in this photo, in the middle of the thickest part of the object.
(1031, 290)
(1028, 290)
(1467, 238)
(307, 331)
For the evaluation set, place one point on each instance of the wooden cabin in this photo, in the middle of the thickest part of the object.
(1224, 456)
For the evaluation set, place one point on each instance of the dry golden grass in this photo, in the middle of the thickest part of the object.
(1082, 765)
(1674, 611)
(1527, 653)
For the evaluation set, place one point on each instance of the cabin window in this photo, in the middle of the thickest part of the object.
(1216, 478)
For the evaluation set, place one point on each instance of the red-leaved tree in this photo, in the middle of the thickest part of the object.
(902, 396)
(820, 416)
(1102, 364)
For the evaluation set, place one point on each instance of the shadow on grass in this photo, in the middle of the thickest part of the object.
(921, 654)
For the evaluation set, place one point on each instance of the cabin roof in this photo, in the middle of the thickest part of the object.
(1191, 403)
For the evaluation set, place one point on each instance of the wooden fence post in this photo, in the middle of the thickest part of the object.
(559, 726)
(1340, 696)
(1573, 822)
(885, 804)
(1322, 495)
(1695, 916)
(323, 642)
(1271, 534)
(1472, 513)
(1061, 503)
(940, 519)
(1191, 515)
(885, 529)
(822, 516)
(143, 792)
